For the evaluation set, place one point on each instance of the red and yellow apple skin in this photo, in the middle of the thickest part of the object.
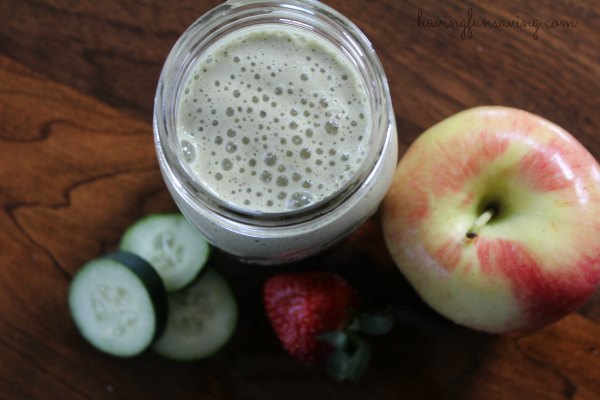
(536, 260)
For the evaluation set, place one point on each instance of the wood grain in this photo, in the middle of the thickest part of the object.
(77, 166)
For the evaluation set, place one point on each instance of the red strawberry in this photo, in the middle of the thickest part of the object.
(314, 317)
(304, 306)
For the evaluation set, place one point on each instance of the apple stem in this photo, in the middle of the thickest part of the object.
(479, 223)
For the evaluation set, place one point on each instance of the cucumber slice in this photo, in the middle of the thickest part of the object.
(119, 304)
(202, 318)
(171, 245)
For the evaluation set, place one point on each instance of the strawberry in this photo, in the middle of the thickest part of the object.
(314, 315)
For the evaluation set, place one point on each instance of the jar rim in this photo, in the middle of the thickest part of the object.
(231, 17)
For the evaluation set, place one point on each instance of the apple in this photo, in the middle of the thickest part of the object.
(493, 216)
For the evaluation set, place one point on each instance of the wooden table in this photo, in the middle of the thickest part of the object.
(77, 166)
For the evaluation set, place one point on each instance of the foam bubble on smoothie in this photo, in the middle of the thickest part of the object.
(273, 120)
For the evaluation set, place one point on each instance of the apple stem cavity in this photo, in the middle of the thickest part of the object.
(479, 223)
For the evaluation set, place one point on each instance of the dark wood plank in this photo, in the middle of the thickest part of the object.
(77, 166)
(114, 51)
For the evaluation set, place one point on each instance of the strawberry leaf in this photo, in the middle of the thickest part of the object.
(359, 361)
(336, 339)
(336, 365)
(349, 364)
(375, 324)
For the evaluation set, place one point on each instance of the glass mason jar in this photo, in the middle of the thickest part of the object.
(284, 235)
